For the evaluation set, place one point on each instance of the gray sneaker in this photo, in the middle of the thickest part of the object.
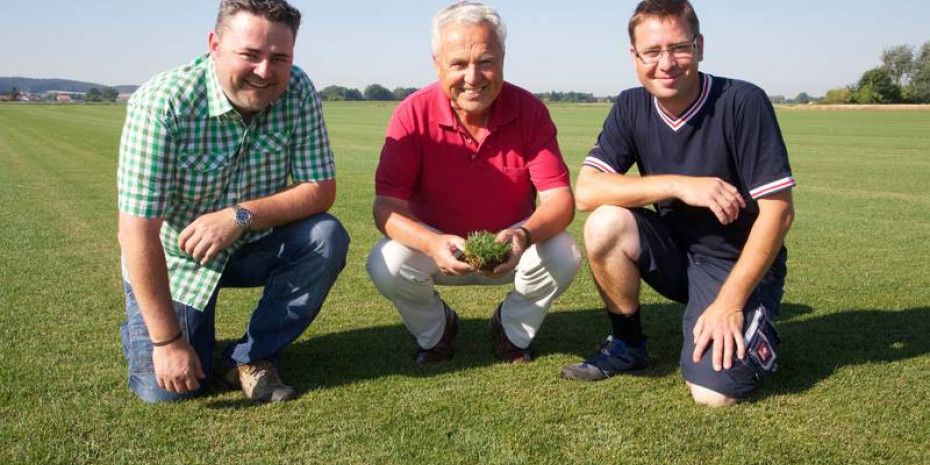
(613, 357)
(261, 383)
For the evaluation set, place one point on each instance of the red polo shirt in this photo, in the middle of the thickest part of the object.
(458, 186)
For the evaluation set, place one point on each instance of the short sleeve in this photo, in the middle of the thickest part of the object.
(543, 156)
(613, 152)
(312, 158)
(762, 157)
(146, 163)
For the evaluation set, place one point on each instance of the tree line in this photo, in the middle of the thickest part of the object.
(107, 94)
(94, 94)
(903, 77)
(373, 92)
(377, 92)
(572, 97)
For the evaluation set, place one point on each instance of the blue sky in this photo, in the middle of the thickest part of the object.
(784, 46)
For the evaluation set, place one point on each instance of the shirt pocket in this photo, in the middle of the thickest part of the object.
(269, 153)
(517, 176)
(204, 176)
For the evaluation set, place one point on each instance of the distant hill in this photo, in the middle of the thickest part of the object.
(38, 86)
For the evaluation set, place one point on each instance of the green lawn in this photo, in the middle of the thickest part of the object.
(853, 387)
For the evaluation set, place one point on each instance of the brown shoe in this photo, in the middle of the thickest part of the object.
(503, 348)
(443, 349)
(261, 383)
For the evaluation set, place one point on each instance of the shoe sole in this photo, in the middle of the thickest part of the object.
(636, 372)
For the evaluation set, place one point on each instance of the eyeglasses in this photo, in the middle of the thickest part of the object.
(683, 51)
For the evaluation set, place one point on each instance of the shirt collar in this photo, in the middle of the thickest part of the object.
(218, 103)
(503, 110)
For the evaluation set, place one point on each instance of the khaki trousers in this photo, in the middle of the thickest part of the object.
(408, 278)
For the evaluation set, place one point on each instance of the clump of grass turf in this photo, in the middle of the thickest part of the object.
(484, 253)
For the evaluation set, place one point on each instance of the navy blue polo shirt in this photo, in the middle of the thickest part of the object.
(729, 132)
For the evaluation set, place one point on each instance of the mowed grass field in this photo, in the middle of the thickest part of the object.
(853, 387)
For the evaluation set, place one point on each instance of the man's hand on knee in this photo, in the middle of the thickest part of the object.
(209, 235)
(720, 197)
(721, 327)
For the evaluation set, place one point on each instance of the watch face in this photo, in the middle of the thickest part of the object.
(243, 217)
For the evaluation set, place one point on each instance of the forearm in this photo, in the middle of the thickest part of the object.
(148, 274)
(555, 212)
(297, 202)
(595, 188)
(765, 240)
(396, 222)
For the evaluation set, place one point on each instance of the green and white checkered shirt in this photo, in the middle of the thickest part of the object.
(185, 151)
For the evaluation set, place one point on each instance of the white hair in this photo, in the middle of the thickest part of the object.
(468, 13)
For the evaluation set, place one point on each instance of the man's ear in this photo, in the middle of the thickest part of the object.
(213, 42)
(700, 47)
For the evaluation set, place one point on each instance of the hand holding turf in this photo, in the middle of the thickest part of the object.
(493, 255)
(445, 250)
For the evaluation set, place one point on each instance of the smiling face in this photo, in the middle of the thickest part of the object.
(673, 81)
(253, 58)
(470, 64)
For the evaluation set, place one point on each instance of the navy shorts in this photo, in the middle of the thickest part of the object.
(695, 280)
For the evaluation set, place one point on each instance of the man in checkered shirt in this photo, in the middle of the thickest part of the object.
(225, 177)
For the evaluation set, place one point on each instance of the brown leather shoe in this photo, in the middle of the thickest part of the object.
(443, 349)
(503, 348)
(260, 382)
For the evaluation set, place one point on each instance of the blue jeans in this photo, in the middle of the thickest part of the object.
(297, 264)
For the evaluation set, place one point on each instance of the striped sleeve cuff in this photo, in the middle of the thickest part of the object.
(772, 187)
(598, 164)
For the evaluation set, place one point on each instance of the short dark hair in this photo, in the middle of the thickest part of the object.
(664, 9)
(277, 11)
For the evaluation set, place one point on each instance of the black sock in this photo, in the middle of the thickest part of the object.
(627, 329)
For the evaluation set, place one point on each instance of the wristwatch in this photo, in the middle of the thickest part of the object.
(243, 217)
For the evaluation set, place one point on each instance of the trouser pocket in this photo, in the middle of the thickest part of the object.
(761, 339)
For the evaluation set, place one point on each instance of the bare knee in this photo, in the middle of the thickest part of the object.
(708, 398)
(609, 230)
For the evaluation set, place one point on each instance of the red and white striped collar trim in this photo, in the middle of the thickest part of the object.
(676, 124)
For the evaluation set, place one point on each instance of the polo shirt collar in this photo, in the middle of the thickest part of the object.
(503, 110)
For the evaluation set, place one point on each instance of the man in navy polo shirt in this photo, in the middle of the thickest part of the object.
(712, 161)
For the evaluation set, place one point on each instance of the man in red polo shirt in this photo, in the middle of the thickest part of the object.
(470, 153)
